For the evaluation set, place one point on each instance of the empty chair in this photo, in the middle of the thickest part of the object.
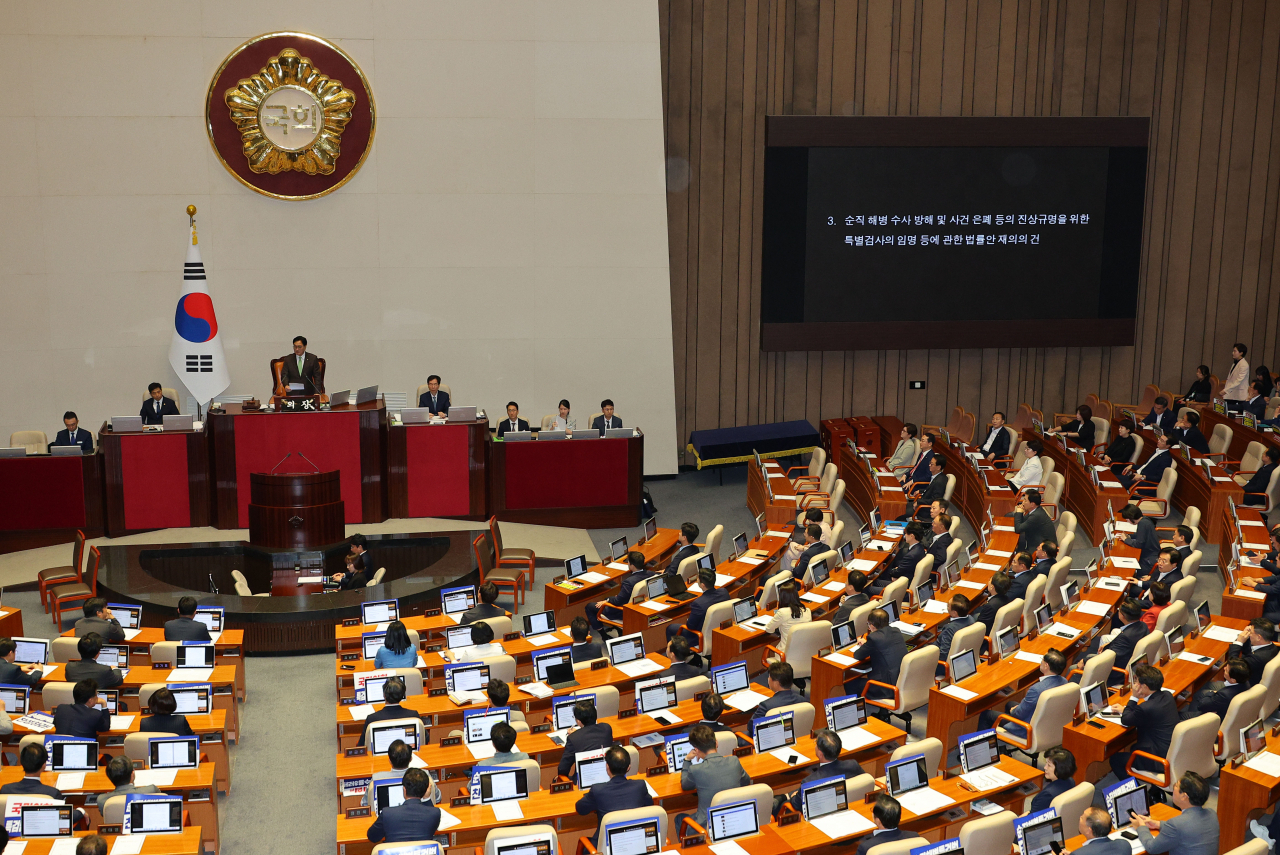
(803, 644)
(1191, 517)
(1065, 546)
(243, 589)
(1008, 615)
(378, 576)
(1152, 646)
(1052, 494)
(914, 681)
(66, 573)
(930, 747)
(71, 591)
(1159, 505)
(686, 689)
(1271, 682)
(511, 556)
(817, 459)
(1220, 440)
(1057, 578)
(64, 648)
(1183, 589)
(898, 847)
(1096, 670)
(1066, 523)
(712, 547)
(988, 833)
(1253, 847)
(856, 788)
(1071, 804)
(34, 441)
(506, 576)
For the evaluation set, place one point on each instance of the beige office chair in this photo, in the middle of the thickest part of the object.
(897, 592)
(712, 546)
(688, 569)
(858, 617)
(1071, 804)
(956, 547)
(64, 648)
(1191, 517)
(634, 754)
(1055, 580)
(803, 644)
(930, 747)
(686, 689)
(172, 394)
(1101, 430)
(1052, 495)
(1033, 600)
(1152, 645)
(1160, 505)
(496, 835)
(34, 441)
(1171, 617)
(1190, 750)
(914, 681)
(898, 847)
(1190, 565)
(1253, 847)
(837, 530)
(1182, 590)
(1067, 545)
(378, 576)
(412, 678)
(402, 722)
(1271, 496)
(856, 788)
(1054, 712)
(532, 772)
(242, 585)
(803, 716)
(137, 746)
(113, 810)
(55, 694)
(954, 530)
(614, 817)
(1096, 669)
(1244, 709)
(924, 569)
(830, 556)
(501, 667)
(968, 638)
(1066, 523)
(769, 593)
(500, 625)
(1250, 462)
(607, 701)
(1271, 682)
(1006, 616)
(1047, 467)
(988, 833)
(145, 693)
(1138, 445)
(1220, 441)
(811, 473)
(716, 615)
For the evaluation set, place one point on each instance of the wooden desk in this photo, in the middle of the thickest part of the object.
(347, 639)
(866, 494)
(189, 842)
(593, 483)
(1079, 496)
(196, 786)
(783, 508)
(1252, 532)
(569, 604)
(1244, 794)
(438, 470)
(1159, 812)
(228, 649)
(44, 500)
(155, 480)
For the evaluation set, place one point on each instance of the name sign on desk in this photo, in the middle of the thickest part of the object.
(432, 613)
(359, 751)
(355, 621)
(600, 665)
(788, 819)
(655, 771)
(562, 787)
(449, 741)
(357, 812)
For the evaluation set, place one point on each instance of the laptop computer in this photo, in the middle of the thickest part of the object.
(367, 394)
(70, 754)
(173, 752)
(846, 712)
(824, 797)
(979, 750)
(339, 399)
(415, 416)
(15, 451)
(677, 590)
(155, 815)
(727, 679)
(178, 422)
(907, 774)
(379, 611)
(586, 434)
(547, 435)
(517, 436)
(1039, 834)
(45, 820)
(728, 822)
(560, 675)
(632, 837)
(65, 451)
(539, 623)
(543, 661)
(126, 424)
(619, 433)
(462, 414)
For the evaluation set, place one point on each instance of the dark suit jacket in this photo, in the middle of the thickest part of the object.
(1121, 449)
(80, 720)
(939, 551)
(1019, 583)
(885, 649)
(1050, 791)
(598, 423)
(30, 787)
(842, 614)
(1256, 658)
(12, 674)
(1165, 421)
(1217, 700)
(701, 604)
(847, 769)
(1145, 539)
(440, 406)
(887, 836)
(480, 611)
(1103, 846)
(1027, 707)
(908, 557)
(1033, 529)
(948, 634)
(785, 698)
(149, 414)
(802, 563)
(587, 650)
(617, 793)
(628, 584)
(935, 489)
(679, 670)
(1193, 438)
(505, 425)
(412, 820)
(310, 375)
(1153, 469)
(987, 612)
(80, 669)
(186, 629)
(84, 439)
(681, 554)
(1122, 645)
(920, 472)
(175, 723)
(110, 630)
(1154, 720)
(1042, 567)
(590, 738)
(1001, 445)
(1257, 406)
(355, 581)
(1084, 429)
(387, 713)
(1258, 483)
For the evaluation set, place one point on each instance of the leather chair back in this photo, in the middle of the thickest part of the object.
(686, 689)
(55, 694)
(803, 644)
(1191, 749)
(1056, 579)
(496, 835)
(716, 615)
(1152, 646)
(1072, 803)
(1171, 617)
(988, 833)
(1243, 710)
(1096, 669)
(712, 548)
(35, 441)
(1034, 599)
(1053, 713)
(64, 649)
(1220, 439)
(916, 677)
(1182, 590)
(803, 713)
(930, 747)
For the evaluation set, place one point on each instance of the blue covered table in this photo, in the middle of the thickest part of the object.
(737, 444)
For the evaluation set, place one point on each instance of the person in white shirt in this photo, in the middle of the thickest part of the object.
(482, 645)
(1032, 470)
(811, 516)
(561, 422)
(1236, 387)
(908, 448)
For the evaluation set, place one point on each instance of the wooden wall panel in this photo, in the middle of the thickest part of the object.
(1204, 71)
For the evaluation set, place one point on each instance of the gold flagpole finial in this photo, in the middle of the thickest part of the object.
(191, 212)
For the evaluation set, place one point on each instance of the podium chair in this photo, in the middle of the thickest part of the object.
(278, 387)
(422, 390)
(34, 441)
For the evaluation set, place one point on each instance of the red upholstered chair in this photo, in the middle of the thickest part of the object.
(507, 556)
(278, 389)
(76, 592)
(63, 575)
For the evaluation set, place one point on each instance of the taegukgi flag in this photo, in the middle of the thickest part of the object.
(196, 352)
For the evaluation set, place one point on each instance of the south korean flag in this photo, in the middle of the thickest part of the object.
(196, 352)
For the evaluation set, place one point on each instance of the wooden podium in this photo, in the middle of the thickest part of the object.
(296, 510)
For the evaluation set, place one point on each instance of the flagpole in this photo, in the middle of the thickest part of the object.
(191, 219)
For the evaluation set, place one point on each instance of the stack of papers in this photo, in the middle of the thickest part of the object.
(447, 820)
(189, 675)
(843, 823)
(158, 777)
(840, 659)
(862, 565)
(591, 577)
(360, 712)
(988, 778)
(1126, 527)
(1266, 763)
(754, 562)
(1090, 607)
(935, 607)
(833, 586)
(772, 533)
(924, 800)
(722, 579)
(998, 553)
(482, 750)
(1221, 633)
(744, 700)
(639, 667)
(538, 690)
(1029, 657)
(853, 738)
(654, 606)
(957, 692)
(37, 722)
(965, 583)
(1192, 657)
(986, 565)
(729, 847)
(1002, 528)
(70, 781)
(543, 640)
(881, 545)
(120, 722)
(910, 630)
(1253, 595)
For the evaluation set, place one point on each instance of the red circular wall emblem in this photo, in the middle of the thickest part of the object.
(290, 115)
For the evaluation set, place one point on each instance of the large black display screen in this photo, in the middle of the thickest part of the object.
(951, 232)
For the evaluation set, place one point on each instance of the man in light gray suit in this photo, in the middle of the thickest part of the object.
(714, 774)
(1192, 832)
(1095, 825)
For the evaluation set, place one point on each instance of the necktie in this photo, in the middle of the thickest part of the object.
(299, 365)
(157, 406)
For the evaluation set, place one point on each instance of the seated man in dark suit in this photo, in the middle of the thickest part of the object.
(120, 773)
(413, 819)
(1051, 668)
(185, 627)
(997, 598)
(936, 488)
(612, 607)
(813, 547)
(1256, 487)
(1269, 585)
(710, 596)
(1167, 569)
(855, 587)
(883, 648)
(680, 654)
(1187, 430)
(781, 683)
(1059, 776)
(13, 673)
(156, 407)
(919, 471)
(486, 608)
(1020, 576)
(684, 546)
(436, 402)
(1122, 641)
(97, 618)
(606, 420)
(1161, 416)
(1144, 539)
(84, 718)
(1094, 826)
(392, 695)
(1256, 644)
(302, 367)
(1257, 403)
(1152, 714)
(1032, 522)
(583, 648)
(712, 709)
(1046, 554)
(33, 758)
(587, 735)
(1150, 472)
(73, 434)
(617, 793)
(887, 813)
(958, 618)
(996, 443)
(512, 422)
(941, 540)
(910, 553)
(828, 746)
(87, 665)
(1216, 696)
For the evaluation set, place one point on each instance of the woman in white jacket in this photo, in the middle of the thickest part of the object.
(908, 449)
(1237, 383)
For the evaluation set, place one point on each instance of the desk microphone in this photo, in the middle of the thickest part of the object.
(304, 457)
(282, 460)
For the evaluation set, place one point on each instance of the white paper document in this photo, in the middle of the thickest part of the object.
(1029, 657)
(722, 580)
(986, 565)
(811, 597)
(447, 820)
(1000, 488)
(907, 629)
(613, 565)
(843, 823)
(988, 778)
(416, 762)
(1125, 563)
(64, 846)
(853, 738)
(1252, 595)
(1266, 763)
(1091, 607)
(957, 692)
(965, 583)
(119, 722)
(538, 689)
(1221, 478)
(772, 533)
(1002, 528)
(924, 800)
(310, 580)
(639, 667)
(1113, 583)
(754, 562)
(129, 635)
(1061, 630)
(1253, 522)
(729, 847)
(935, 607)
(127, 844)
(1221, 633)
(881, 545)
(189, 675)
(543, 640)
(999, 553)
(360, 712)
(70, 781)
(862, 565)
(840, 659)
(745, 700)
(158, 777)
(591, 577)
(507, 811)
(653, 606)
(785, 755)
(482, 750)
(833, 586)
(1194, 657)
(665, 717)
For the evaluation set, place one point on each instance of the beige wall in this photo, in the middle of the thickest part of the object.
(508, 230)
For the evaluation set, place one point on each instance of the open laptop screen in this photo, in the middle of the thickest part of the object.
(655, 695)
(733, 677)
(539, 622)
(964, 664)
(575, 566)
(979, 750)
(823, 797)
(500, 786)
(729, 821)
(906, 775)
(455, 601)
(632, 838)
(744, 609)
(846, 712)
(130, 617)
(479, 725)
(155, 816)
(167, 752)
(626, 648)
(381, 611)
(543, 661)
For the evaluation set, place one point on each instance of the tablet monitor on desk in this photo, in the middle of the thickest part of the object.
(924, 592)
(1007, 641)
(824, 797)
(46, 820)
(382, 735)
(618, 548)
(953, 572)
(1175, 641)
(173, 752)
(457, 637)
(740, 544)
(69, 754)
(656, 695)
(66, 451)
(1071, 593)
(1128, 796)
(575, 566)
(545, 659)
(478, 725)
(16, 699)
(775, 731)
(677, 749)
(196, 655)
(743, 609)
(818, 570)
(964, 664)
(387, 793)
(727, 822)
(979, 750)
(846, 552)
(848, 711)
(650, 529)
(1044, 616)
(502, 785)
(890, 608)
(590, 768)
(539, 623)
(191, 698)
(129, 617)
(379, 611)
(31, 651)
(114, 656)
(625, 648)
(906, 775)
(455, 601)
(1037, 836)
(410, 415)
(467, 677)
(1204, 617)
(213, 617)
(156, 815)
(369, 691)
(655, 587)
(761, 527)
(562, 710)
(340, 399)
(538, 844)
(1253, 740)
(843, 634)
(110, 700)
(730, 678)
(706, 562)
(366, 395)
(1095, 697)
(370, 644)
(632, 837)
